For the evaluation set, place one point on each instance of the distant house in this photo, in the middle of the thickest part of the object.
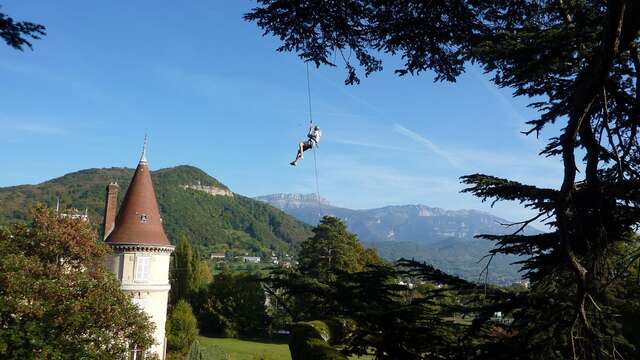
(75, 214)
(218, 256)
(523, 283)
(251, 259)
(499, 317)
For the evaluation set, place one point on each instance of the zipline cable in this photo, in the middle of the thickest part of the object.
(309, 95)
(315, 156)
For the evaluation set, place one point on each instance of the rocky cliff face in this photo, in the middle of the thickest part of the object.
(211, 190)
(293, 201)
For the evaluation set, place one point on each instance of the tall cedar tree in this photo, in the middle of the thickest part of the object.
(381, 313)
(579, 60)
(190, 275)
(57, 300)
(17, 34)
(182, 274)
(306, 292)
(333, 249)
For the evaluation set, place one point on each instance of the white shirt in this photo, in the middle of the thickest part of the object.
(314, 134)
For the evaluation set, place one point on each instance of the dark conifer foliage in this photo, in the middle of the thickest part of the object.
(579, 62)
(18, 34)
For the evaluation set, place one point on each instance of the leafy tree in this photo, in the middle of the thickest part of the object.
(17, 33)
(579, 61)
(57, 300)
(235, 306)
(181, 327)
(201, 273)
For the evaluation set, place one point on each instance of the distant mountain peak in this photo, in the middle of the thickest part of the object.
(442, 237)
(289, 200)
(413, 222)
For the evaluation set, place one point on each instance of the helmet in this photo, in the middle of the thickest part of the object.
(316, 127)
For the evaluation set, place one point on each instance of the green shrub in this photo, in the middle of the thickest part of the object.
(181, 328)
(195, 351)
(310, 341)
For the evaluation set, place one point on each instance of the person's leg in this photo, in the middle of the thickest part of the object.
(298, 154)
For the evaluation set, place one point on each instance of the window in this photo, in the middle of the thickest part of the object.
(144, 218)
(141, 303)
(143, 263)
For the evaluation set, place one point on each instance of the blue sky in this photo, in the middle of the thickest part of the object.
(212, 92)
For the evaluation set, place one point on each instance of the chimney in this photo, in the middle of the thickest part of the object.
(110, 208)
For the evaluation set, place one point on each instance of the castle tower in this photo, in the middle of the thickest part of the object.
(141, 250)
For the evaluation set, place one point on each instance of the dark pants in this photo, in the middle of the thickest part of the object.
(304, 146)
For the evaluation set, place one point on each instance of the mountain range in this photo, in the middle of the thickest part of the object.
(214, 218)
(192, 204)
(444, 238)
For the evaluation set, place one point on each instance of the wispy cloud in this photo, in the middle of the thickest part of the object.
(378, 184)
(67, 82)
(43, 129)
(17, 125)
(372, 145)
(427, 143)
(381, 185)
(510, 109)
(506, 104)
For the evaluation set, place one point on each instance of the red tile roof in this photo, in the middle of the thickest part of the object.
(138, 221)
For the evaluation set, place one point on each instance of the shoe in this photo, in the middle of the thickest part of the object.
(293, 163)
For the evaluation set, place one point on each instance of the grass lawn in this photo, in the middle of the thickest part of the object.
(249, 350)
(245, 350)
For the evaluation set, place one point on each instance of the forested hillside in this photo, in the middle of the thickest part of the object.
(211, 222)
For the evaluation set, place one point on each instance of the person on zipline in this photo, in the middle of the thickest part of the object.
(312, 141)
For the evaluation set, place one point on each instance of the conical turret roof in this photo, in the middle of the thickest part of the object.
(138, 221)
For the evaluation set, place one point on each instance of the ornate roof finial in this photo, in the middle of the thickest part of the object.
(143, 158)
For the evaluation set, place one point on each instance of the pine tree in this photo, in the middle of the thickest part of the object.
(333, 249)
(579, 61)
